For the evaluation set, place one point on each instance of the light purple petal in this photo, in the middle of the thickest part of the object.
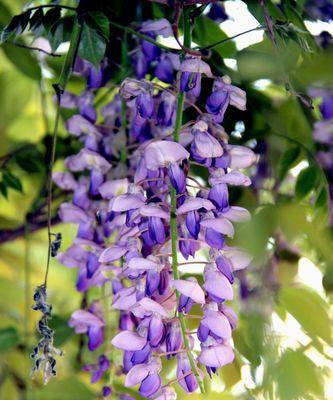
(160, 154)
(237, 214)
(216, 356)
(241, 157)
(239, 259)
(230, 314)
(73, 257)
(87, 159)
(218, 285)
(136, 374)
(221, 225)
(64, 180)
(206, 145)
(217, 323)
(125, 299)
(143, 264)
(112, 253)
(167, 393)
(196, 65)
(190, 289)
(194, 203)
(70, 213)
(113, 188)
(126, 202)
(153, 211)
(158, 27)
(128, 340)
(85, 317)
(232, 178)
(146, 306)
(78, 125)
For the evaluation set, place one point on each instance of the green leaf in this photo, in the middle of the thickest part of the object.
(99, 21)
(297, 376)
(51, 18)
(288, 159)
(23, 61)
(306, 181)
(11, 181)
(9, 338)
(310, 310)
(30, 160)
(36, 21)
(60, 32)
(11, 29)
(67, 389)
(92, 46)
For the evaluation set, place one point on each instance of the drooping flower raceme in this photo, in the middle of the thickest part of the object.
(123, 212)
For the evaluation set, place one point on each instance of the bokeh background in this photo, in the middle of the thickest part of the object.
(284, 344)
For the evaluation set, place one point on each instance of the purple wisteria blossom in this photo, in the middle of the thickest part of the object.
(122, 208)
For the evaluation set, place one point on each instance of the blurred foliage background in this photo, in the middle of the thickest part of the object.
(284, 345)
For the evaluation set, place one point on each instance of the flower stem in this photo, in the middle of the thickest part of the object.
(173, 216)
(124, 56)
(59, 89)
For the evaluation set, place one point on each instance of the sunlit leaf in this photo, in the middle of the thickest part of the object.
(297, 376)
(309, 309)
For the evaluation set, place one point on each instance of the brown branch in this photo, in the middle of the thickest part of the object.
(7, 235)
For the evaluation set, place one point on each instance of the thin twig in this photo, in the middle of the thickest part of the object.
(24, 46)
(258, 28)
(50, 6)
(59, 89)
(143, 37)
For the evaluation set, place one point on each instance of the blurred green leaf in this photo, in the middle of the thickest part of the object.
(9, 338)
(66, 389)
(287, 161)
(3, 189)
(51, 17)
(11, 181)
(306, 181)
(310, 310)
(23, 60)
(297, 377)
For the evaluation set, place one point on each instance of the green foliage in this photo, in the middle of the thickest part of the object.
(92, 46)
(297, 377)
(287, 161)
(67, 389)
(9, 338)
(310, 310)
(306, 181)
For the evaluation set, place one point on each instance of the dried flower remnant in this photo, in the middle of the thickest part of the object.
(44, 353)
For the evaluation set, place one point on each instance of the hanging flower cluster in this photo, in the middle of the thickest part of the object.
(136, 215)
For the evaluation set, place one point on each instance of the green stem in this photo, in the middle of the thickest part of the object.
(173, 216)
(59, 89)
